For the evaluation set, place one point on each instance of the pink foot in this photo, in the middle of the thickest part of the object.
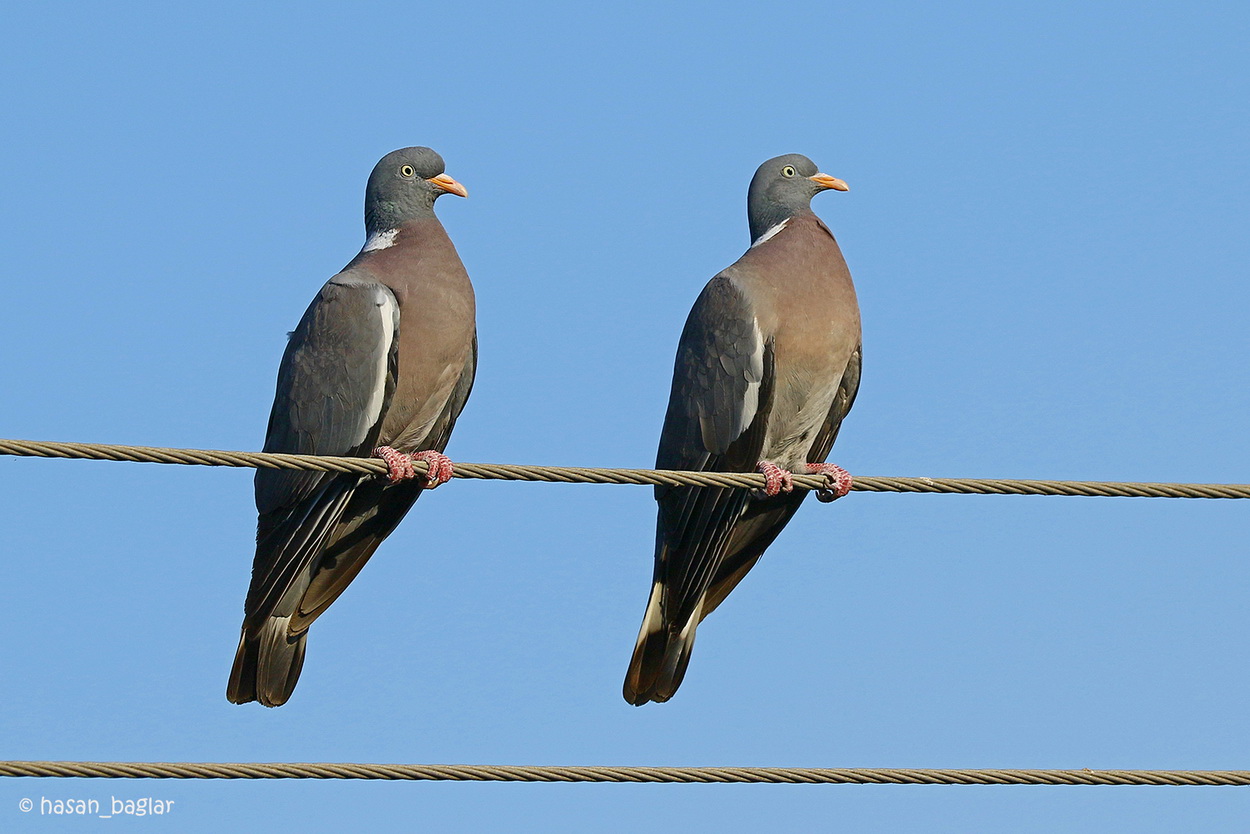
(440, 471)
(776, 479)
(399, 465)
(840, 481)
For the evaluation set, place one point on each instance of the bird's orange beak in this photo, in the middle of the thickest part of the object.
(826, 181)
(449, 185)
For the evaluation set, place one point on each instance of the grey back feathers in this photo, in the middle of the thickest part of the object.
(780, 190)
(400, 190)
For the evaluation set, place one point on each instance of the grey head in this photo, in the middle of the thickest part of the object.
(403, 187)
(783, 187)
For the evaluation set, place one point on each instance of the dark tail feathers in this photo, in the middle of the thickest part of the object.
(267, 665)
(661, 654)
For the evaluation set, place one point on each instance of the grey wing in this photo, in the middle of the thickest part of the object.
(717, 378)
(717, 416)
(373, 513)
(764, 520)
(334, 387)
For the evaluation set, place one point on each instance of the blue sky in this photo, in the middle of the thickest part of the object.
(1046, 225)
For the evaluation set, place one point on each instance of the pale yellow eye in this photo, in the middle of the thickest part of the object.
(407, 172)
(788, 171)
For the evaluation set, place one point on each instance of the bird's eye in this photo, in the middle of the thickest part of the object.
(788, 171)
(407, 172)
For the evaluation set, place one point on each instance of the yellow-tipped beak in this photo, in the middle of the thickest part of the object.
(449, 185)
(826, 181)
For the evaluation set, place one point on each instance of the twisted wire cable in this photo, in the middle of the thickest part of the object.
(543, 773)
(598, 475)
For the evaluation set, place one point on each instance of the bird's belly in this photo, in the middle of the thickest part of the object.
(422, 393)
(435, 341)
(798, 415)
(815, 333)
(415, 409)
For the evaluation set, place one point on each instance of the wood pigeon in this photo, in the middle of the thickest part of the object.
(380, 365)
(767, 367)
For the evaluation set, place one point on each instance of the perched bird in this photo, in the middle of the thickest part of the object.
(767, 367)
(380, 365)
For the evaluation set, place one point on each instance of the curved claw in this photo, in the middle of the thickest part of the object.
(776, 479)
(840, 481)
(440, 471)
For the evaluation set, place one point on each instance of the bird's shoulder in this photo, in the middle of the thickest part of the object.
(724, 312)
(347, 300)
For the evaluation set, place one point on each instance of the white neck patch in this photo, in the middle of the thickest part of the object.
(768, 235)
(382, 240)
